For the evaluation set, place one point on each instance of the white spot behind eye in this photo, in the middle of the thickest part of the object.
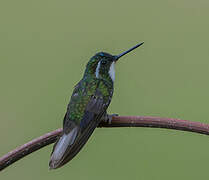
(97, 69)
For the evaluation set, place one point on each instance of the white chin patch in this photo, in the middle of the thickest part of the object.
(112, 71)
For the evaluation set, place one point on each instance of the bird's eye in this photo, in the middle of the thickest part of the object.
(104, 62)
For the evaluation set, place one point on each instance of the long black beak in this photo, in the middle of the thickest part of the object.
(123, 53)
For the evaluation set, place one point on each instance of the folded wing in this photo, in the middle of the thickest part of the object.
(75, 135)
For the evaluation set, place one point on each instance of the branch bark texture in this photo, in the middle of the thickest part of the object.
(117, 121)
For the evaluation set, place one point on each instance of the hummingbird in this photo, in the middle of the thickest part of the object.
(87, 107)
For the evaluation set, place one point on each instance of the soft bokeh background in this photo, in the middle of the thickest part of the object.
(44, 46)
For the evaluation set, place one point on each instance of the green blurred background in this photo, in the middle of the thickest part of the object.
(44, 46)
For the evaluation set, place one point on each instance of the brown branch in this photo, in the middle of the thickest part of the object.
(118, 121)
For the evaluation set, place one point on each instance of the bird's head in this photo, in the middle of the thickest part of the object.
(102, 64)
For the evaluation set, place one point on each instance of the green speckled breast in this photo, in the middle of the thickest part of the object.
(82, 93)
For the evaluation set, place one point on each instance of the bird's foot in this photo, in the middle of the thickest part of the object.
(108, 118)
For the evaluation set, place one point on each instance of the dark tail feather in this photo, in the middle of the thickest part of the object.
(61, 147)
(79, 143)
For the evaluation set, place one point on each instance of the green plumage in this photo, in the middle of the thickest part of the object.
(91, 86)
(88, 104)
(82, 94)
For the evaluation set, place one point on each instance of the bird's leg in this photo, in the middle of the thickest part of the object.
(108, 117)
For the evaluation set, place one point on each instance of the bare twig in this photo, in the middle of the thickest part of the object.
(117, 121)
